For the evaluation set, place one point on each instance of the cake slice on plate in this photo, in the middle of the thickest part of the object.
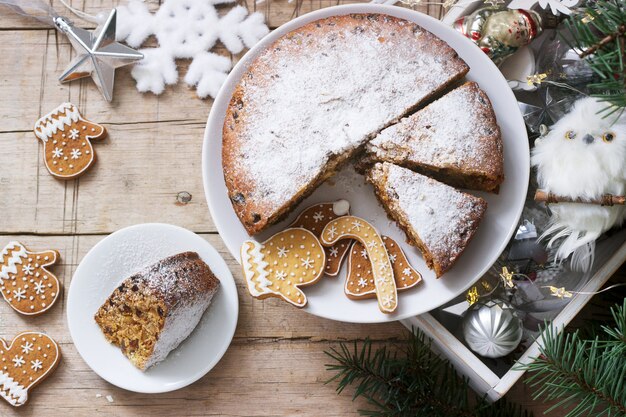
(311, 100)
(151, 312)
(436, 218)
(455, 140)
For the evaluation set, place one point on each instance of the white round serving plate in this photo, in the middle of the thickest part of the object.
(118, 256)
(326, 298)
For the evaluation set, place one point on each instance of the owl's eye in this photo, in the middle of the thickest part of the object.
(570, 134)
(608, 137)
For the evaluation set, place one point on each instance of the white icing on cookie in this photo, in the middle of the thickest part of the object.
(15, 258)
(11, 391)
(251, 251)
(48, 125)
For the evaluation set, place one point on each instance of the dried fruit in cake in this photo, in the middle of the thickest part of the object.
(314, 219)
(360, 278)
(151, 312)
(455, 140)
(351, 227)
(308, 103)
(25, 282)
(29, 359)
(282, 264)
(436, 218)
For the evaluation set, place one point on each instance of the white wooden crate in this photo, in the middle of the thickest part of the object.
(610, 254)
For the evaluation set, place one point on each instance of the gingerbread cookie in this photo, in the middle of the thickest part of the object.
(25, 282)
(66, 138)
(314, 219)
(357, 228)
(360, 280)
(277, 267)
(25, 362)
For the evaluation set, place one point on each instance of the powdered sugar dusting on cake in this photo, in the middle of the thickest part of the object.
(323, 91)
(457, 130)
(187, 291)
(442, 216)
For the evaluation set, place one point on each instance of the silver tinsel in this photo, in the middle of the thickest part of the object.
(491, 328)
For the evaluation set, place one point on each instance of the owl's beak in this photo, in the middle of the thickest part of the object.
(588, 139)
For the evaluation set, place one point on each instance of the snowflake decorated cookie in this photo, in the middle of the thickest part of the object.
(25, 283)
(66, 138)
(314, 219)
(382, 270)
(282, 264)
(24, 363)
(187, 29)
(360, 279)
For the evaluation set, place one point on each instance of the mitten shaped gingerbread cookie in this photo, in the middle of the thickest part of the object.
(66, 138)
(314, 219)
(26, 361)
(277, 267)
(356, 228)
(360, 279)
(25, 282)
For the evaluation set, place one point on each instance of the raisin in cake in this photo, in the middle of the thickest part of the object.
(154, 310)
(454, 139)
(436, 218)
(309, 101)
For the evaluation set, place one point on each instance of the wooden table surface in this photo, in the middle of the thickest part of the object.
(275, 365)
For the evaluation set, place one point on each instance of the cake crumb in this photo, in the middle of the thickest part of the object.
(109, 398)
(98, 395)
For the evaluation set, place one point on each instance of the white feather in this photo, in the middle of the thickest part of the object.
(579, 168)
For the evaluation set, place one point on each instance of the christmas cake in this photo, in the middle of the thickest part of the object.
(436, 218)
(455, 140)
(311, 100)
(154, 310)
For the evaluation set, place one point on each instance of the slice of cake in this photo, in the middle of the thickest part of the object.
(455, 140)
(154, 310)
(309, 101)
(436, 218)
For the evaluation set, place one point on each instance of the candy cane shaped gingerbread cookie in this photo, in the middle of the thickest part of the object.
(356, 228)
(314, 219)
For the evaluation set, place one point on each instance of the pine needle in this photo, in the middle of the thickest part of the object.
(409, 380)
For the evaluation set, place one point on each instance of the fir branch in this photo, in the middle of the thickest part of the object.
(586, 376)
(409, 381)
(599, 34)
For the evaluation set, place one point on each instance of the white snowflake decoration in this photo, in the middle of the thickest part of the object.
(187, 29)
(557, 6)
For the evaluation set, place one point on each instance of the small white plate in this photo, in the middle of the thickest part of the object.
(118, 256)
(327, 298)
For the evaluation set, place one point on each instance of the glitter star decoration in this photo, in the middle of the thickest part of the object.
(472, 296)
(560, 292)
(97, 53)
(507, 278)
(536, 79)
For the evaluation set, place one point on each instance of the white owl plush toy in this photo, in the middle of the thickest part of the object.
(583, 156)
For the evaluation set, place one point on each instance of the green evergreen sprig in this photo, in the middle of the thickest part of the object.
(599, 35)
(586, 377)
(410, 380)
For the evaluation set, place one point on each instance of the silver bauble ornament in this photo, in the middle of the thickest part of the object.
(491, 328)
